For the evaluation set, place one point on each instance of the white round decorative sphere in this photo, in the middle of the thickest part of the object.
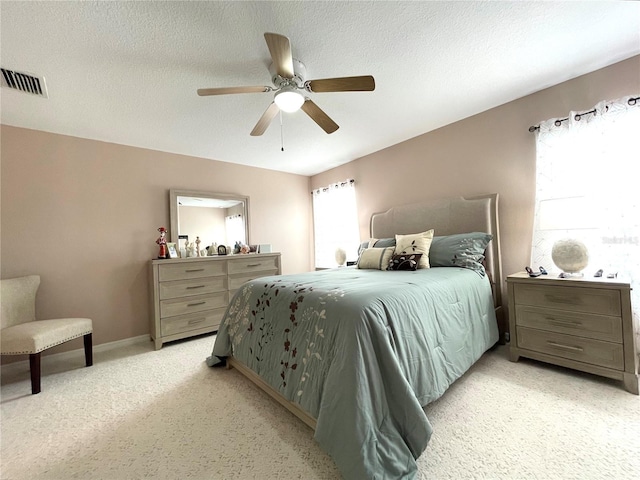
(570, 255)
(341, 256)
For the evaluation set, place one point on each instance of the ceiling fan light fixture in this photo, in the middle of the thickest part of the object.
(289, 99)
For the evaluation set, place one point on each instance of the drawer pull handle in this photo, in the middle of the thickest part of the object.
(196, 320)
(569, 300)
(195, 286)
(564, 323)
(253, 265)
(195, 304)
(195, 270)
(567, 347)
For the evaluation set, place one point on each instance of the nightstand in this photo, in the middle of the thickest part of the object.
(581, 323)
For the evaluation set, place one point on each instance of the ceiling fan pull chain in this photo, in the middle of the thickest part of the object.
(281, 134)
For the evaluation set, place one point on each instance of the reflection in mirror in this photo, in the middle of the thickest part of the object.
(214, 217)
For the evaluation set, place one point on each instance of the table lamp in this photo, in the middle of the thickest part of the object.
(570, 214)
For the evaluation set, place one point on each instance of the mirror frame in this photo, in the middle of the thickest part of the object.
(173, 207)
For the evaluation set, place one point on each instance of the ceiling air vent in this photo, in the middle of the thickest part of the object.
(24, 82)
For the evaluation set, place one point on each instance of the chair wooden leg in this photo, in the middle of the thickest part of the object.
(88, 349)
(34, 365)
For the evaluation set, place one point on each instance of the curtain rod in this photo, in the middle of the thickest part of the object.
(578, 116)
(350, 181)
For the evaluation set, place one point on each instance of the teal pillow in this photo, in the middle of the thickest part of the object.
(460, 250)
(377, 243)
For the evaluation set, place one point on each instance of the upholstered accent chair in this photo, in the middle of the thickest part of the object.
(22, 334)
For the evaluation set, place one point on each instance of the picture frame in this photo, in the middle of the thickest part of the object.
(253, 248)
(171, 248)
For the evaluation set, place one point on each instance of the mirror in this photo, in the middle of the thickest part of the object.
(214, 217)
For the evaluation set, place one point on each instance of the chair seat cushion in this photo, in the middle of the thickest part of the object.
(34, 337)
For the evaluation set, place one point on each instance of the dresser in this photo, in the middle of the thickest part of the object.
(581, 323)
(189, 296)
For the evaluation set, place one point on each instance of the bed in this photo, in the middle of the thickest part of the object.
(356, 353)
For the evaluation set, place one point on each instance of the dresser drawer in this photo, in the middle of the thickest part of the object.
(237, 281)
(188, 270)
(598, 327)
(198, 286)
(253, 264)
(186, 323)
(199, 303)
(594, 352)
(576, 299)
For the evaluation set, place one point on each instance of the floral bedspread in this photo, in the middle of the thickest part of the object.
(362, 351)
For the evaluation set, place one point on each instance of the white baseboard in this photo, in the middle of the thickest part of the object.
(103, 347)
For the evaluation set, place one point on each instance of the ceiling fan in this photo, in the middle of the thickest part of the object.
(289, 79)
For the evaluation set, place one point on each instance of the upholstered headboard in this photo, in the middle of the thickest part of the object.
(447, 217)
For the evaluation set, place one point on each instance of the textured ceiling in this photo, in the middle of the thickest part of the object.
(127, 72)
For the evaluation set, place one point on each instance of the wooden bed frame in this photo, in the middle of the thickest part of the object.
(446, 217)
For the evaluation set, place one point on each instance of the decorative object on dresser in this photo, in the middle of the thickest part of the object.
(264, 248)
(581, 323)
(172, 250)
(183, 247)
(189, 296)
(162, 243)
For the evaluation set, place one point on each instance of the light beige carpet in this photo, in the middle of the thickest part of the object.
(139, 413)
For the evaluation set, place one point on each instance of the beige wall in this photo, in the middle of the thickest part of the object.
(84, 215)
(489, 152)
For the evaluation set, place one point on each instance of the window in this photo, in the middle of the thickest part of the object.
(335, 223)
(235, 229)
(587, 188)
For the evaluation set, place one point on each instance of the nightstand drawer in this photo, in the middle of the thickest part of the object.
(576, 299)
(598, 327)
(594, 352)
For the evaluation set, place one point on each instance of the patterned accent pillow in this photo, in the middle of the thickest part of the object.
(377, 258)
(461, 250)
(415, 243)
(404, 262)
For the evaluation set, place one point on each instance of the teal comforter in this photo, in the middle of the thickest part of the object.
(362, 351)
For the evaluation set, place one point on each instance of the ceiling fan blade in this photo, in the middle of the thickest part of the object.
(318, 116)
(203, 92)
(364, 83)
(265, 120)
(280, 50)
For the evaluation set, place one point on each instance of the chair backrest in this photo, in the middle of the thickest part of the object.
(18, 300)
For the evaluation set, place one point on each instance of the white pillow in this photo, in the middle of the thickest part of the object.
(415, 243)
(377, 258)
